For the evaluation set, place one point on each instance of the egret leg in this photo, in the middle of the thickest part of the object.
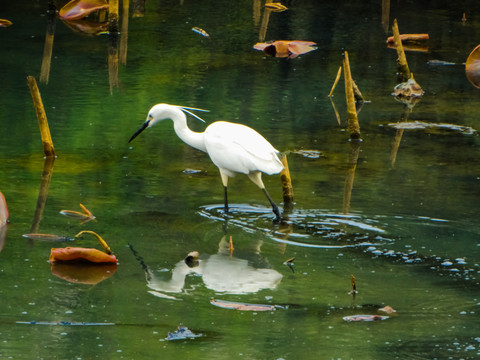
(225, 183)
(226, 199)
(274, 206)
(256, 178)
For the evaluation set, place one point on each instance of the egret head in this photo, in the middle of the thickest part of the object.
(161, 112)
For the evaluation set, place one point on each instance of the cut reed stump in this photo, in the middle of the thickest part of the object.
(42, 117)
(353, 126)
(286, 183)
(404, 71)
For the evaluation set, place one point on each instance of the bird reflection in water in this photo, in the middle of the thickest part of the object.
(220, 272)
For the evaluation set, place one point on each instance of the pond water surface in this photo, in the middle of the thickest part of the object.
(398, 211)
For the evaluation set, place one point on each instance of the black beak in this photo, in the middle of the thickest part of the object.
(144, 126)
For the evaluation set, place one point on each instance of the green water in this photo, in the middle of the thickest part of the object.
(409, 232)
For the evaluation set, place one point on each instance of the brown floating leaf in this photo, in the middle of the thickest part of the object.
(241, 306)
(286, 48)
(3, 210)
(5, 23)
(81, 254)
(275, 7)
(78, 9)
(409, 37)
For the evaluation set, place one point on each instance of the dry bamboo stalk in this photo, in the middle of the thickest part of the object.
(402, 59)
(339, 73)
(286, 182)
(353, 126)
(42, 117)
(113, 46)
(124, 33)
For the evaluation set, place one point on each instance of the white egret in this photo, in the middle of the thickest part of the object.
(233, 148)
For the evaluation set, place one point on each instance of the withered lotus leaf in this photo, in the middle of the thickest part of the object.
(78, 9)
(286, 48)
(81, 254)
(472, 67)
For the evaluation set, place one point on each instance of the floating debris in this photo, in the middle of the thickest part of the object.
(275, 7)
(388, 310)
(182, 333)
(5, 23)
(191, 171)
(421, 125)
(408, 37)
(311, 154)
(242, 306)
(86, 216)
(286, 48)
(201, 32)
(63, 323)
(47, 237)
(355, 318)
(408, 89)
(439, 62)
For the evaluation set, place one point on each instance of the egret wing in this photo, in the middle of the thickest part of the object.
(238, 148)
